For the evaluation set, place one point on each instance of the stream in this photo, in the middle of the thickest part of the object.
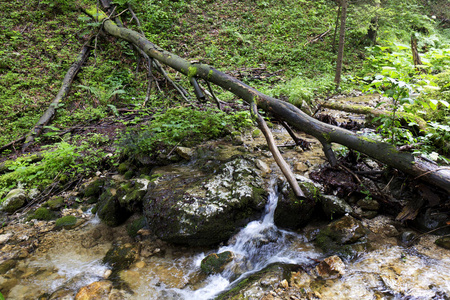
(61, 265)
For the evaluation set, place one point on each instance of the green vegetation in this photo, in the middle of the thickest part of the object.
(267, 44)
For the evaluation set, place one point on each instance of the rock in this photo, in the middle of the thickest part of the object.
(330, 267)
(95, 290)
(66, 222)
(94, 189)
(292, 212)
(136, 225)
(345, 236)
(5, 237)
(300, 279)
(265, 169)
(14, 200)
(121, 257)
(215, 263)
(301, 167)
(42, 213)
(443, 242)
(130, 194)
(334, 206)
(109, 209)
(7, 265)
(368, 204)
(184, 152)
(203, 204)
(369, 214)
(55, 203)
(432, 219)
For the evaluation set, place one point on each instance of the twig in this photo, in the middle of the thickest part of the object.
(298, 141)
(317, 37)
(212, 94)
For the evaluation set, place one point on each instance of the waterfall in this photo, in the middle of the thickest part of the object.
(256, 246)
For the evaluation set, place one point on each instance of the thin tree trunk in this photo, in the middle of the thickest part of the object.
(63, 91)
(340, 56)
(325, 133)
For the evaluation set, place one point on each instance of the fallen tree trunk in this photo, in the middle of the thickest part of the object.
(63, 91)
(366, 110)
(325, 133)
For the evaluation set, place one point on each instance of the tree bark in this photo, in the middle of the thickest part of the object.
(340, 56)
(63, 91)
(325, 133)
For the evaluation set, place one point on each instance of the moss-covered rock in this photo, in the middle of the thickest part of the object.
(215, 263)
(42, 213)
(135, 226)
(443, 242)
(130, 194)
(109, 209)
(94, 189)
(121, 257)
(55, 203)
(66, 222)
(292, 212)
(14, 200)
(203, 205)
(344, 237)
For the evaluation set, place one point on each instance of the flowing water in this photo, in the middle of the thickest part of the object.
(389, 271)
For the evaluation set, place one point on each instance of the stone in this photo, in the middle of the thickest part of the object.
(443, 242)
(109, 209)
(14, 200)
(334, 206)
(94, 188)
(121, 257)
(130, 194)
(433, 220)
(263, 167)
(203, 204)
(301, 167)
(184, 152)
(95, 290)
(55, 203)
(66, 222)
(291, 212)
(345, 237)
(330, 267)
(5, 237)
(368, 204)
(7, 265)
(135, 226)
(215, 263)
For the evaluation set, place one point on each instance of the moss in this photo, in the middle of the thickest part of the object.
(124, 167)
(55, 203)
(120, 257)
(129, 174)
(135, 226)
(215, 263)
(42, 213)
(94, 188)
(256, 133)
(66, 222)
(96, 13)
(192, 71)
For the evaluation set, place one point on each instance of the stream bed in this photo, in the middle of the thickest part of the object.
(64, 262)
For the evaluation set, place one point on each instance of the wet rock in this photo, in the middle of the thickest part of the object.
(109, 209)
(345, 237)
(7, 265)
(203, 204)
(257, 284)
(432, 219)
(95, 290)
(263, 167)
(66, 222)
(292, 212)
(330, 267)
(121, 257)
(130, 194)
(184, 152)
(300, 280)
(215, 263)
(5, 237)
(136, 225)
(368, 204)
(14, 200)
(443, 242)
(334, 206)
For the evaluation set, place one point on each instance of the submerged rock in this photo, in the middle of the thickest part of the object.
(345, 237)
(334, 206)
(121, 257)
(95, 290)
(215, 263)
(188, 205)
(443, 242)
(330, 267)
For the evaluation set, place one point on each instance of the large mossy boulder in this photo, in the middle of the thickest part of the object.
(14, 200)
(200, 205)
